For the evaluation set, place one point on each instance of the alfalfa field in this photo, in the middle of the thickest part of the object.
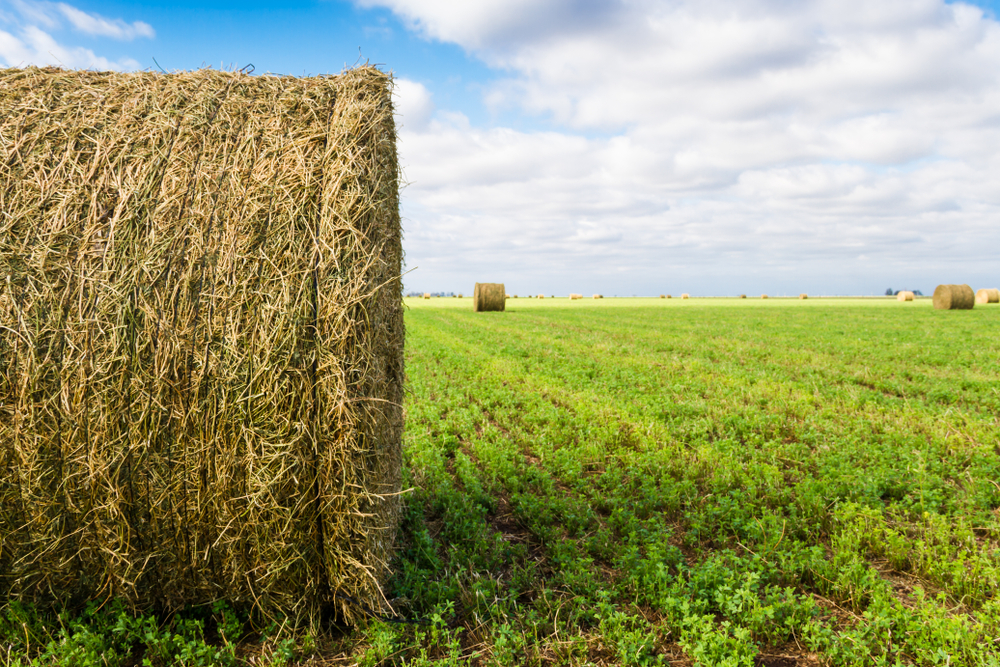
(708, 481)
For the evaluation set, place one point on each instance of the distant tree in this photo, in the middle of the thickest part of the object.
(889, 292)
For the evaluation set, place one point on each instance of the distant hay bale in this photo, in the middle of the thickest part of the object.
(663, 296)
(954, 297)
(988, 295)
(743, 296)
(201, 368)
(513, 296)
(427, 295)
(489, 297)
(460, 296)
(669, 297)
(904, 295)
(541, 296)
(598, 296)
(574, 297)
(803, 296)
(763, 296)
(685, 296)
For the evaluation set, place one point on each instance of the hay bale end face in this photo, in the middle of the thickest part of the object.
(904, 295)
(988, 295)
(201, 368)
(489, 297)
(954, 297)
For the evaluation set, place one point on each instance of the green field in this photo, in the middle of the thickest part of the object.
(708, 481)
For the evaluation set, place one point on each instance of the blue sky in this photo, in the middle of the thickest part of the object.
(633, 147)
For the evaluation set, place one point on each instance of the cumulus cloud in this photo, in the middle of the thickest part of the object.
(831, 141)
(27, 36)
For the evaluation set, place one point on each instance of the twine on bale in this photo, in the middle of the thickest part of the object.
(988, 295)
(954, 297)
(201, 369)
(489, 297)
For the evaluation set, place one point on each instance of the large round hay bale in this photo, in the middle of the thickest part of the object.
(427, 295)
(574, 297)
(988, 295)
(541, 296)
(763, 296)
(904, 295)
(663, 296)
(201, 368)
(489, 297)
(598, 296)
(685, 296)
(803, 296)
(954, 297)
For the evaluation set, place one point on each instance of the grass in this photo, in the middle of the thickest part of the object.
(644, 481)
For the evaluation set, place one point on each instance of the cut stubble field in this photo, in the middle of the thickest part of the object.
(708, 481)
(643, 481)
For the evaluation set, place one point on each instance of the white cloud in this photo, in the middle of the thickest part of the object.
(711, 139)
(29, 38)
(95, 24)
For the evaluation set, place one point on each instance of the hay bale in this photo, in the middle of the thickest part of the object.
(574, 297)
(663, 296)
(685, 296)
(904, 295)
(460, 296)
(988, 295)
(489, 297)
(803, 296)
(954, 297)
(669, 297)
(541, 296)
(598, 296)
(763, 296)
(201, 368)
(427, 295)
(743, 296)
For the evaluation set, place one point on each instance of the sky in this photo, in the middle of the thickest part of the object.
(632, 147)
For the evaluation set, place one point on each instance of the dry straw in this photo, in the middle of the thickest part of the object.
(954, 297)
(988, 295)
(904, 295)
(201, 367)
(489, 297)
